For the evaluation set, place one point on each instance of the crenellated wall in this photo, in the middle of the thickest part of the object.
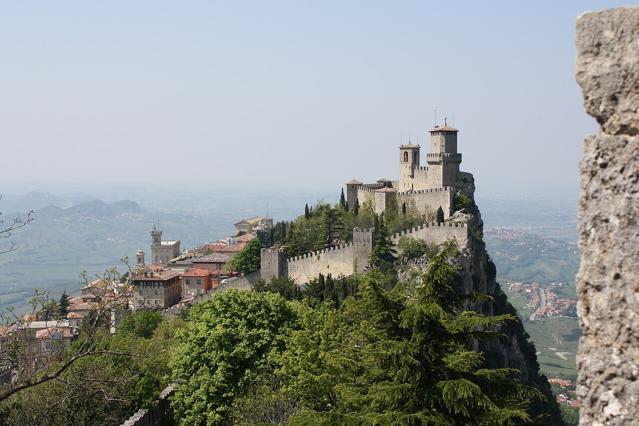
(353, 257)
(341, 260)
(436, 233)
(429, 200)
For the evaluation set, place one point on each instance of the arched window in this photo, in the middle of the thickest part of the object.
(406, 156)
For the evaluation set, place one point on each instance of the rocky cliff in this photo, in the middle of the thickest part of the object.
(514, 348)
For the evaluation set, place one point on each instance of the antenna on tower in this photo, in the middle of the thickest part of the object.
(267, 209)
(435, 124)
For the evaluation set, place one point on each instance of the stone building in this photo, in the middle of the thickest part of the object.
(423, 188)
(155, 287)
(163, 251)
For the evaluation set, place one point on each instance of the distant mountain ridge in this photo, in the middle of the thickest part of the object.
(95, 208)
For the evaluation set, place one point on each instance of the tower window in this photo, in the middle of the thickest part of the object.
(406, 156)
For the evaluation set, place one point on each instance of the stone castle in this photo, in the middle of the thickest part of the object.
(420, 188)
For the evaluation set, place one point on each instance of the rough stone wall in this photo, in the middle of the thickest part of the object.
(608, 278)
(437, 233)
(429, 200)
(272, 263)
(336, 261)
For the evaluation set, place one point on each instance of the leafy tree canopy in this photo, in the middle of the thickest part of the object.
(248, 260)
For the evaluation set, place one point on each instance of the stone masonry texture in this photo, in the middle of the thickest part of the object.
(608, 278)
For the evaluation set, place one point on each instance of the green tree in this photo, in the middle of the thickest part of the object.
(401, 357)
(333, 227)
(383, 254)
(63, 304)
(356, 207)
(414, 248)
(463, 201)
(342, 200)
(248, 260)
(307, 213)
(141, 323)
(226, 343)
(440, 215)
(105, 389)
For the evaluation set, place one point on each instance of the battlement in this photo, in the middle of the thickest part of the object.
(364, 188)
(448, 156)
(319, 252)
(360, 238)
(424, 191)
(436, 233)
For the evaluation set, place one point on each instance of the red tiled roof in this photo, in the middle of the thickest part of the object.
(49, 333)
(214, 246)
(197, 272)
(155, 274)
(236, 248)
(84, 306)
(245, 238)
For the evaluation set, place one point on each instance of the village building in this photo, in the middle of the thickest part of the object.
(197, 281)
(156, 288)
(213, 262)
(254, 224)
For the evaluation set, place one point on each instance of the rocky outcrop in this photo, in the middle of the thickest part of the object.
(608, 278)
(513, 349)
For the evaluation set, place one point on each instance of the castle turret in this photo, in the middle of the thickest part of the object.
(443, 160)
(351, 192)
(408, 162)
(272, 263)
(139, 256)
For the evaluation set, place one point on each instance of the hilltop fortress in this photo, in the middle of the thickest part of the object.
(423, 189)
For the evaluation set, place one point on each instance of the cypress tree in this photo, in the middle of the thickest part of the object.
(440, 215)
(333, 227)
(383, 253)
(63, 304)
(414, 364)
(329, 289)
(404, 208)
(342, 200)
(307, 213)
(356, 208)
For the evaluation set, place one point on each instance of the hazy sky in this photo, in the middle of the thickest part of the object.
(287, 94)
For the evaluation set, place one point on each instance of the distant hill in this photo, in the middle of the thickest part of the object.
(92, 236)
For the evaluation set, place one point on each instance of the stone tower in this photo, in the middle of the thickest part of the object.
(139, 256)
(156, 244)
(272, 263)
(408, 163)
(351, 192)
(443, 160)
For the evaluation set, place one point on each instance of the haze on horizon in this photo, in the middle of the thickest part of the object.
(284, 94)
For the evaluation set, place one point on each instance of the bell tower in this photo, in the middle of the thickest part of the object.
(156, 245)
(408, 162)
